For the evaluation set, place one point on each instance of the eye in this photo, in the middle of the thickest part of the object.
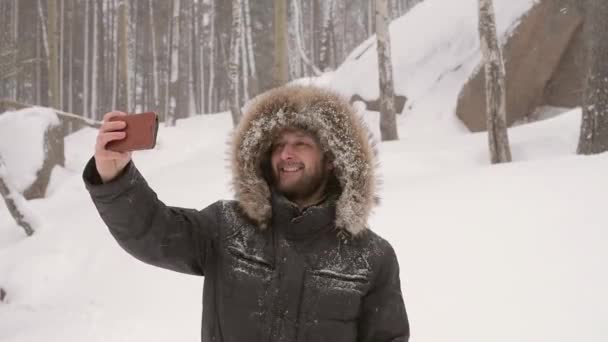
(276, 146)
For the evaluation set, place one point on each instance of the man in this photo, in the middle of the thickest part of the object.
(291, 259)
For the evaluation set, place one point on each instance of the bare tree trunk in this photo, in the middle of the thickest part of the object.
(371, 16)
(594, 126)
(388, 120)
(254, 87)
(281, 67)
(71, 58)
(61, 52)
(132, 28)
(151, 28)
(197, 59)
(295, 62)
(101, 104)
(244, 60)
(233, 67)
(15, 85)
(316, 27)
(299, 38)
(174, 87)
(116, 16)
(85, 68)
(394, 12)
(201, 59)
(45, 39)
(123, 57)
(212, 52)
(498, 138)
(38, 70)
(52, 57)
(94, 61)
(15, 202)
(167, 74)
(55, 143)
(325, 34)
(192, 108)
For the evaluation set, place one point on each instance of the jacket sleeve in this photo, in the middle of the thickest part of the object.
(175, 238)
(383, 316)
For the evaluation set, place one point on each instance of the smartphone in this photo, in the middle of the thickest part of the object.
(141, 132)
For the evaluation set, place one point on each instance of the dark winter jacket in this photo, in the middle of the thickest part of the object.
(273, 272)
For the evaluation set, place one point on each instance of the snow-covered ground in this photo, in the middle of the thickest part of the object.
(488, 253)
(512, 252)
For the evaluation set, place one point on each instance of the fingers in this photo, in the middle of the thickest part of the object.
(106, 137)
(110, 131)
(103, 138)
(108, 126)
(108, 116)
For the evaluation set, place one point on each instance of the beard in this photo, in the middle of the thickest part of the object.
(302, 185)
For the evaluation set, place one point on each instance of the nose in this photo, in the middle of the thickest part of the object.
(287, 152)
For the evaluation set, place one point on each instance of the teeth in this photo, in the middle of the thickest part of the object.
(291, 169)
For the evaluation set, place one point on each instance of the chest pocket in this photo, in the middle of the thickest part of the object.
(248, 277)
(335, 295)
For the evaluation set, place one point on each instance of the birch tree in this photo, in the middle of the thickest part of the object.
(299, 38)
(244, 59)
(185, 72)
(9, 51)
(71, 57)
(210, 87)
(173, 67)
(131, 70)
(253, 74)
(233, 66)
(51, 49)
(594, 126)
(16, 204)
(85, 68)
(201, 60)
(122, 102)
(60, 85)
(281, 67)
(15, 46)
(152, 30)
(295, 62)
(94, 65)
(326, 30)
(498, 138)
(388, 120)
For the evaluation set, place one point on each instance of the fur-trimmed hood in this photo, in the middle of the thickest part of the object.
(341, 133)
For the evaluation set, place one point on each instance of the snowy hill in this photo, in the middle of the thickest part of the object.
(435, 49)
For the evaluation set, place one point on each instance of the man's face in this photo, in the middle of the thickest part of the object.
(299, 168)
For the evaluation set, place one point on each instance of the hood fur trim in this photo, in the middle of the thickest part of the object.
(340, 131)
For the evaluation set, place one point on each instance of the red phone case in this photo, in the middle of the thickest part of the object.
(141, 132)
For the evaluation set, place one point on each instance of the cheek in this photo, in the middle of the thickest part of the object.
(274, 160)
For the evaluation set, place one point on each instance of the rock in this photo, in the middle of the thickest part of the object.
(543, 65)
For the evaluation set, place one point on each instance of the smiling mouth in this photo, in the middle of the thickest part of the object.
(291, 169)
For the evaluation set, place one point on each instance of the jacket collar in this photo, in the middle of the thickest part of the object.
(299, 224)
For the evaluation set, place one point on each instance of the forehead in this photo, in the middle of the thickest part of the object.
(291, 133)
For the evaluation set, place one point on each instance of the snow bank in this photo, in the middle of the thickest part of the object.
(435, 49)
(22, 143)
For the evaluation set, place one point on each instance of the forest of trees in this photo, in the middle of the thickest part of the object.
(89, 57)
(181, 57)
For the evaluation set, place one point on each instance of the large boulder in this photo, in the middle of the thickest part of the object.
(543, 61)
